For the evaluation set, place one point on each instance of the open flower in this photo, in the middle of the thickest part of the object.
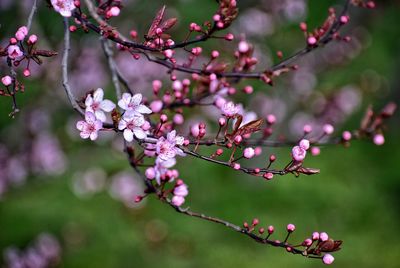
(131, 124)
(132, 104)
(166, 148)
(64, 7)
(298, 153)
(90, 127)
(161, 167)
(14, 52)
(97, 105)
(229, 109)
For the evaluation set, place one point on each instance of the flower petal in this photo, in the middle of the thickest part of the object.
(100, 115)
(136, 99)
(107, 105)
(90, 117)
(98, 95)
(80, 125)
(93, 135)
(88, 101)
(122, 124)
(143, 109)
(128, 135)
(139, 133)
(84, 134)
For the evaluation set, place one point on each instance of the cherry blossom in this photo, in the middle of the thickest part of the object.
(97, 105)
(131, 124)
(90, 127)
(166, 147)
(133, 104)
(14, 52)
(64, 7)
(328, 259)
(298, 153)
(161, 167)
(229, 109)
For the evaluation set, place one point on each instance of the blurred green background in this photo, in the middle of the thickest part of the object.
(355, 198)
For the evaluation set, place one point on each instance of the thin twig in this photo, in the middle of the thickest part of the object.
(64, 65)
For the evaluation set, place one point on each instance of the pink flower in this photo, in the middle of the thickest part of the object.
(161, 167)
(298, 153)
(323, 236)
(6, 80)
(248, 153)
(181, 190)
(304, 144)
(132, 104)
(229, 109)
(328, 259)
(64, 7)
(132, 125)
(178, 200)
(166, 148)
(90, 127)
(97, 105)
(14, 52)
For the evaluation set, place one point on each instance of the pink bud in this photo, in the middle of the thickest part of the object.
(248, 89)
(157, 84)
(311, 40)
(133, 34)
(114, 11)
(344, 19)
(150, 173)
(271, 229)
(32, 39)
(328, 129)
(323, 236)
(303, 26)
(6, 80)
(290, 227)
(379, 139)
(222, 121)
(219, 152)
(315, 151)
(243, 47)
(328, 259)
(20, 35)
(255, 222)
(346, 135)
(156, 106)
(168, 53)
(238, 139)
(307, 129)
(146, 125)
(236, 166)
(305, 144)
(257, 151)
(214, 54)
(177, 85)
(23, 29)
(27, 73)
(248, 152)
(178, 119)
(268, 176)
(163, 118)
(271, 119)
(229, 37)
(217, 17)
(315, 236)
(308, 242)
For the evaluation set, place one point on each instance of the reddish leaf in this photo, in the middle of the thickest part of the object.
(168, 24)
(156, 22)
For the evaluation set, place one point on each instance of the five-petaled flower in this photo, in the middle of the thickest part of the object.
(229, 109)
(166, 148)
(131, 124)
(132, 104)
(64, 7)
(90, 127)
(97, 105)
